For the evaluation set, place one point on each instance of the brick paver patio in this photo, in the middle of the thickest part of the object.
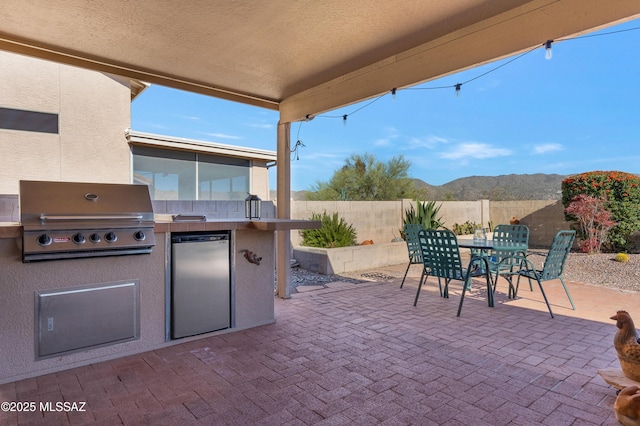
(362, 354)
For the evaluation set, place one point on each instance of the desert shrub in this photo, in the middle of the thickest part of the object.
(465, 229)
(621, 257)
(593, 221)
(426, 215)
(622, 193)
(334, 232)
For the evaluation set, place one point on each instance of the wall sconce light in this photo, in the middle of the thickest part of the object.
(252, 207)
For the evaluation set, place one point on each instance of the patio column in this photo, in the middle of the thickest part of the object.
(283, 209)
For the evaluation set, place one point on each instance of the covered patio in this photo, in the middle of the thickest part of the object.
(362, 354)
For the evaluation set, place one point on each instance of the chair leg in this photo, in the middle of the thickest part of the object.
(545, 297)
(568, 295)
(466, 283)
(490, 300)
(423, 277)
(405, 274)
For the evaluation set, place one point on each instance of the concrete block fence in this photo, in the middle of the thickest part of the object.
(381, 221)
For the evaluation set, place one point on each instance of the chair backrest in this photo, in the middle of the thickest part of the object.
(440, 253)
(411, 231)
(509, 233)
(558, 253)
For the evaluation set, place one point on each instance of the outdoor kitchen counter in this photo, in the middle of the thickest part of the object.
(168, 225)
(14, 229)
(253, 292)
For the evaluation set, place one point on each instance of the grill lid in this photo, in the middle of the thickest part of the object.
(75, 204)
(70, 219)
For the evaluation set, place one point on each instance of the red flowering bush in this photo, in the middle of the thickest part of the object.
(620, 194)
(593, 220)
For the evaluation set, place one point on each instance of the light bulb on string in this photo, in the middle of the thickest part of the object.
(548, 54)
(344, 120)
(458, 87)
(393, 93)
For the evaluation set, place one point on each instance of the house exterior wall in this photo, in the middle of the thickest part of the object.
(260, 179)
(93, 110)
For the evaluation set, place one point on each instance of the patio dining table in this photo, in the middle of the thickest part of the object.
(489, 244)
(506, 249)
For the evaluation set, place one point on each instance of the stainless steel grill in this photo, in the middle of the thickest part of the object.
(63, 220)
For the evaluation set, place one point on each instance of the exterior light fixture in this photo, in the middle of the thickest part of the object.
(252, 207)
(548, 54)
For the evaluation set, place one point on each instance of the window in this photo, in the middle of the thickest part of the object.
(30, 121)
(181, 175)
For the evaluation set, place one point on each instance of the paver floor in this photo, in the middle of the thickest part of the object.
(363, 354)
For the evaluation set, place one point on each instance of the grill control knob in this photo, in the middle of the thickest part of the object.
(44, 240)
(139, 236)
(78, 238)
(110, 237)
(94, 238)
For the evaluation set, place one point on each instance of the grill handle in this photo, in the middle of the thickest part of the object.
(92, 217)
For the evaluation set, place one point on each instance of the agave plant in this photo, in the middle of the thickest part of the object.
(426, 215)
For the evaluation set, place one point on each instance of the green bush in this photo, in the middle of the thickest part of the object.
(426, 215)
(622, 192)
(335, 232)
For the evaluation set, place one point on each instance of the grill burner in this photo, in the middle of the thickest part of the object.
(63, 220)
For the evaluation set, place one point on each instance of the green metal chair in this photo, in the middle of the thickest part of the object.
(413, 247)
(552, 268)
(501, 261)
(441, 257)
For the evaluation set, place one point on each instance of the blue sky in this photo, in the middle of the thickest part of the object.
(579, 111)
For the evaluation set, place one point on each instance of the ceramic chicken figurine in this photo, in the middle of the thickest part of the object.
(627, 406)
(627, 347)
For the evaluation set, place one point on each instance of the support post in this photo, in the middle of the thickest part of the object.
(283, 210)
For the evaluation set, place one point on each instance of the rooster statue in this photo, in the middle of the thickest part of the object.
(626, 343)
(627, 406)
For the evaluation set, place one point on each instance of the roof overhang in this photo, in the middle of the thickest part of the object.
(302, 58)
(191, 145)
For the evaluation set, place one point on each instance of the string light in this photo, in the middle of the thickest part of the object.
(548, 54)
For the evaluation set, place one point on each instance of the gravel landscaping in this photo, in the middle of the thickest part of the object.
(594, 269)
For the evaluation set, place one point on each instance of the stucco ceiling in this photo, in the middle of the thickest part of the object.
(299, 56)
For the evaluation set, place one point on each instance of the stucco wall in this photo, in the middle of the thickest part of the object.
(94, 111)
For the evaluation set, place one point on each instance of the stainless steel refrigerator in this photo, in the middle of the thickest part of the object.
(200, 284)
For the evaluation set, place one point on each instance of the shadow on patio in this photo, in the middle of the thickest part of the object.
(362, 354)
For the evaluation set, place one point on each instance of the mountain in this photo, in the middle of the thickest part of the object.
(538, 186)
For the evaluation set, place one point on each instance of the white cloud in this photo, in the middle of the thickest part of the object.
(189, 117)
(547, 147)
(260, 125)
(474, 150)
(427, 142)
(222, 136)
